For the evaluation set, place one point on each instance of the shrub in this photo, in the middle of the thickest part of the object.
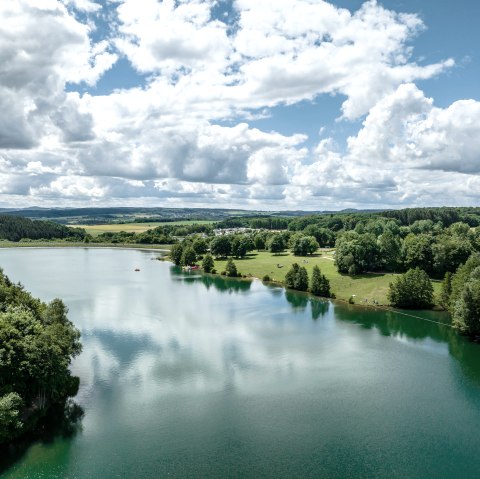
(320, 285)
(231, 269)
(411, 290)
(208, 263)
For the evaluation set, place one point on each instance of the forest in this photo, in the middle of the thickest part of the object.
(37, 345)
(16, 228)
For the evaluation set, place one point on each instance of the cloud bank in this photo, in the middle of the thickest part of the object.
(183, 135)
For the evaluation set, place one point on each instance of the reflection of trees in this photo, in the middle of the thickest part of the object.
(220, 283)
(390, 323)
(467, 354)
(300, 301)
(61, 421)
(297, 300)
(319, 307)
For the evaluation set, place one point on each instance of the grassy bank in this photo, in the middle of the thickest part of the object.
(71, 244)
(371, 286)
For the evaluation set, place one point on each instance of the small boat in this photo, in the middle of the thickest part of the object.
(137, 269)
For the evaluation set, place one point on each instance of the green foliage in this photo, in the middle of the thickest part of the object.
(220, 246)
(164, 234)
(15, 228)
(297, 278)
(411, 290)
(422, 227)
(463, 296)
(466, 312)
(446, 290)
(319, 286)
(176, 253)
(356, 253)
(389, 246)
(450, 251)
(208, 264)
(231, 269)
(37, 344)
(267, 223)
(291, 275)
(259, 242)
(10, 423)
(461, 278)
(459, 229)
(301, 280)
(276, 244)
(446, 216)
(266, 278)
(239, 246)
(303, 245)
(188, 256)
(417, 251)
(324, 237)
(200, 246)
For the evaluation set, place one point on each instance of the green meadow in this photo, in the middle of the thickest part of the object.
(373, 286)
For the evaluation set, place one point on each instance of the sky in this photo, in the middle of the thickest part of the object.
(254, 104)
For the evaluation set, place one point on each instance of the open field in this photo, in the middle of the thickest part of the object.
(371, 286)
(96, 230)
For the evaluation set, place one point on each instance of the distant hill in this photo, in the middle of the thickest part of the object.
(128, 214)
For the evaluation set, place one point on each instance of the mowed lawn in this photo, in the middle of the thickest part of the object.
(96, 230)
(370, 286)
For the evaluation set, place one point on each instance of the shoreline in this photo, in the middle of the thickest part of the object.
(162, 248)
(358, 306)
(83, 245)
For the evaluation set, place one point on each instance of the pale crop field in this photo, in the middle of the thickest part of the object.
(96, 230)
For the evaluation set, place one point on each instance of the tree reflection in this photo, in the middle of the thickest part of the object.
(297, 300)
(467, 354)
(392, 323)
(220, 283)
(63, 421)
(319, 307)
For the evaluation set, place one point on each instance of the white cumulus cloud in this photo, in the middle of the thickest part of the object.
(182, 135)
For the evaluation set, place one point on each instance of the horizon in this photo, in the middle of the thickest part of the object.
(292, 105)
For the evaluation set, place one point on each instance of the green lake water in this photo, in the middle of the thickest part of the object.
(184, 375)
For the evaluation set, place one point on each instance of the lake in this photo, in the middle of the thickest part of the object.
(184, 375)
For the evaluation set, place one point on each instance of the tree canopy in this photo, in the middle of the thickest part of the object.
(15, 228)
(411, 290)
(37, 344)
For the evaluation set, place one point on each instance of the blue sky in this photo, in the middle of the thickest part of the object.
(279, 104)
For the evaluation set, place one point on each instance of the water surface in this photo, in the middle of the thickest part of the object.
(185, 375)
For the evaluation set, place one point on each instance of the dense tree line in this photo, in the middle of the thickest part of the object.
(37, 344)
(262, 222)
(15, 228)
(461, 296)
(446, 216)
(383, 245)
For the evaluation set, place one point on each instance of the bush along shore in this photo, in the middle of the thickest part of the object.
(37, 345)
